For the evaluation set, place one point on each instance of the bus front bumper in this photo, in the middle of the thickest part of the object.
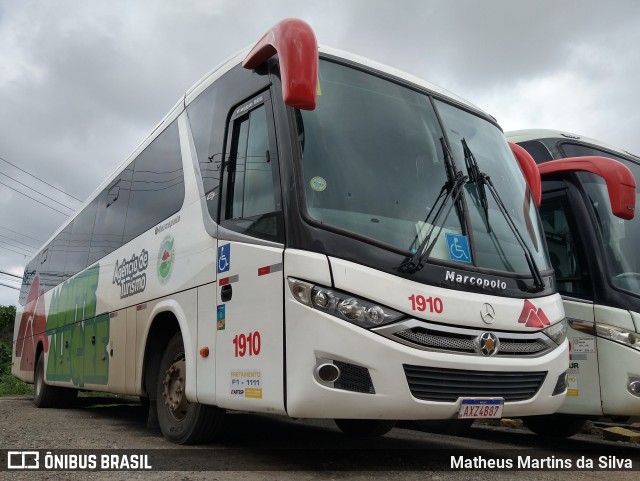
(382, 379)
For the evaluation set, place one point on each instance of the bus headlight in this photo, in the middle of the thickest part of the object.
(619, 335)
(557, 332)
(356, 310)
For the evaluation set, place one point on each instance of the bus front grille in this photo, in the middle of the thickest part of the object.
(447, 385)
(461, 340)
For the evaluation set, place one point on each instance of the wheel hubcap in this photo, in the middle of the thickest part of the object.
(173, 392)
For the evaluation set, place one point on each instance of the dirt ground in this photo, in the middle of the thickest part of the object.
(262, 448)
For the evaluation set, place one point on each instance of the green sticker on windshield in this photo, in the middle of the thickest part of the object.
(318, 184)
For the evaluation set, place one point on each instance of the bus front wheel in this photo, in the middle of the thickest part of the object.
(555, 425)
(365, 427)
(181, 421)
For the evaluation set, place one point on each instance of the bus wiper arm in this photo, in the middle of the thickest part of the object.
(479, 178)
(483, 180)
(451, 189)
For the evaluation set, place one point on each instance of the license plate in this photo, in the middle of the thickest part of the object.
(481, 408)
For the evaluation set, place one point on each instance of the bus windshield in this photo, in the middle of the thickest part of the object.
(374, 164)
(620, 237)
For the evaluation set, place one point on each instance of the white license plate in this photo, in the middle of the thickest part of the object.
(481, 408)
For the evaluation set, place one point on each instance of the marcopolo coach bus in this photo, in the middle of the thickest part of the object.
(593, 244)
(311, 234)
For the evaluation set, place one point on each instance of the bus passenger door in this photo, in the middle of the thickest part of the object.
(249, 289)
(567, 253)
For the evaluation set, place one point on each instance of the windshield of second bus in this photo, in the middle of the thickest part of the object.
(620, 237)
(374, 164)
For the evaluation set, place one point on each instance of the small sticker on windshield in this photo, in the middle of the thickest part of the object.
(318, 184)
(458, 248)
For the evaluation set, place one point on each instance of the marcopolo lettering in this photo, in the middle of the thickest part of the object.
(474, 280)
(130, 275)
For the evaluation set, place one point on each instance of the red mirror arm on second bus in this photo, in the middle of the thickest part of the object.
(621, 185)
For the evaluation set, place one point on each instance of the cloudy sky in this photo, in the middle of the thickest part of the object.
(82, 82)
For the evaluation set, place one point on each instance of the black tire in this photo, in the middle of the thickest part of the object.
(451, 427)
(555, 425)
(365, 427)
(181, 421)
(45, 396)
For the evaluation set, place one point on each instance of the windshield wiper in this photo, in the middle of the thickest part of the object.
(483, 180)
(450, 190)
(480, 179)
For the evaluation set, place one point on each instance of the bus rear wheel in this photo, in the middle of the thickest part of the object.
(365, 427)
(555, 425)
(45, 396)
(181, 421)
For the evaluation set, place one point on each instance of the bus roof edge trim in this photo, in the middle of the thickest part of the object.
(619, 179)
(297, 48)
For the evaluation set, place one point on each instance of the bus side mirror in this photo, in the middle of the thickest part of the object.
(621, 184)
(530, 171)
(297, 48)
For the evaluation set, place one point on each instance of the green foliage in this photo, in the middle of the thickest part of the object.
(7, 317)
(9, 385)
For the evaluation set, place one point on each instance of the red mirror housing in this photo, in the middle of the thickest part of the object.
(297, 48)
(621, 184)
(530, 171)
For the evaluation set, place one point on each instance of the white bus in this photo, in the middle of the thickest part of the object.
(593, 244)
(311, 234)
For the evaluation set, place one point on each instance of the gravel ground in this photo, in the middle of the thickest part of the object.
(258, 447)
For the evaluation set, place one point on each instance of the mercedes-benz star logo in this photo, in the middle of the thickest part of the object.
(488, 344)
(487, 313)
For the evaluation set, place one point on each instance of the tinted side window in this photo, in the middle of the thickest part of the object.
(207, 121)
(54, 259)
(537, 150)
(251, 187)
(578, 150)
(565, 250)
(157, 187)
(111, 211)
(80, 240)
(27, 279)
(208, 116)
(256, 195)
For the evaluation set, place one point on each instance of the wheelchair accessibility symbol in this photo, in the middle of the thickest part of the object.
(224, 258)
(458, 248)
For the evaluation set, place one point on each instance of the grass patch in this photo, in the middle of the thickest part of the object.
(12, 386)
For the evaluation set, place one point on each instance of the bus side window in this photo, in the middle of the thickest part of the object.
(565, 250)
(80, 240)
(111, 211)
(157, 186)
(252, 187)
(537, 150)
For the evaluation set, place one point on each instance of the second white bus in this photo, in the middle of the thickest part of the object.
(593, 242)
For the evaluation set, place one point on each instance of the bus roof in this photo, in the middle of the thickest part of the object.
(537, 134)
